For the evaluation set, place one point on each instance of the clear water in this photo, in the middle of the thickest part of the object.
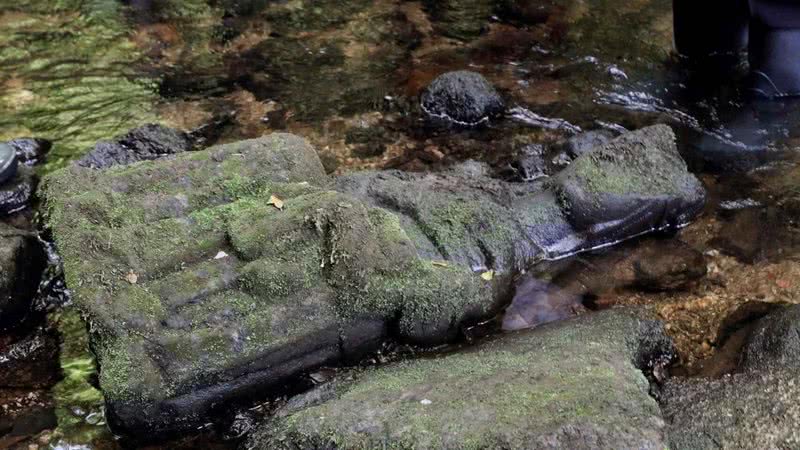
(346, 73)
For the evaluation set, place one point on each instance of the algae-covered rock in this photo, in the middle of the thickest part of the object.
(578, 385)
(211, 276)
(755, 407)
(635, 184)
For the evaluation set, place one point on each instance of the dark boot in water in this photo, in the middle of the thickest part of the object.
(710, 29)
(775, 47)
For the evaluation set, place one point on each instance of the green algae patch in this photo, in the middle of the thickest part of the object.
(573, 385)
(79, 405)
(68, 75)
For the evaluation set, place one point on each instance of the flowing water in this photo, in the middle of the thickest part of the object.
(346, 74)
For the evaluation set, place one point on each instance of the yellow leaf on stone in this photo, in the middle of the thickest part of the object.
(276, 202)
(488, 276)
(440, 263)
(131, 277)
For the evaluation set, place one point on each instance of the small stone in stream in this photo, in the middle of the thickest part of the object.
(582, 143)
(536, 302)
(31, 151)
(530, 165)
(22, 262)
(8, 163)
(140, 144)
(16, 194)
(368, 142)
(29, 361)
(526, 11)
(745, 236)
(668, 266)
(461, 99)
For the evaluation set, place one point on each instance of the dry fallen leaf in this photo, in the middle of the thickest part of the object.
(439, 263)
(276, 202)
(131, 277)
(488, 276)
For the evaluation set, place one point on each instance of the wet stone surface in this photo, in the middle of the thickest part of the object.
(578, 384)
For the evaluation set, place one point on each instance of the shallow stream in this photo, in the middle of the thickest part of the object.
(346, 74)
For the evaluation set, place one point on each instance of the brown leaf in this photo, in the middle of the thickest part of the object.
(276, 202)
(131, 277)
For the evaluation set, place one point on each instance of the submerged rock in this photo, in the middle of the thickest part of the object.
(212, 276)
(578, 385)
(31, 151)
(536, 303)
(8, 162)
(21, 264)
(461, 99)
(140, 144)
(755, 407)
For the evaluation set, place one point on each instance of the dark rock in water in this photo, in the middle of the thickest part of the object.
(243, 268)
(526, 11)
(461, 99)
(459, 19)
(22, 262)
(577, 385)
(8, 163)
(31, 151)
(536, 302)
(582, 143)
(756, 407)
(530, 165)
(18, 183)
(18, 428)
(775, 341)
(140, 144)
(16, 194)
(744, 236)
(667, 266)
(369, 142)
(30, 362)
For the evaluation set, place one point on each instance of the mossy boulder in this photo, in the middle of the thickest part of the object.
(754, 407)
(578, 384)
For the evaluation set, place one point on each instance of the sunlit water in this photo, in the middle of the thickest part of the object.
(346, 75)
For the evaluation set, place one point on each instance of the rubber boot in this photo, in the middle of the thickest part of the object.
(775, 47)
(710, 28)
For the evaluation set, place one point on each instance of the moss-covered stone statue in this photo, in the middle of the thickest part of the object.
(213, 276)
